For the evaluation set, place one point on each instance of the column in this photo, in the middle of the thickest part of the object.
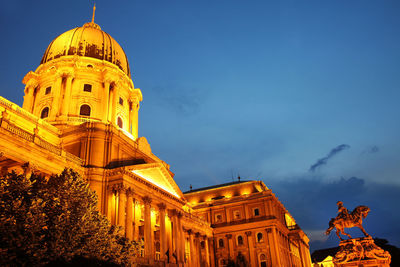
(110, 208)
(137, 215)
(129, 214)
(148, 242)
(106, 100)
(212, 256)
(56, 97)
(274, 246)
(163, 232)
(28, 97)
(114, 105)
(198, 238)
(230, 244)
(207, 250)
(67, 95)
(180, 239)
(121, 206)
(253, 261)
(192, 261)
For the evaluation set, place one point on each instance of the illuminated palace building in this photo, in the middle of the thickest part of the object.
(80, 111)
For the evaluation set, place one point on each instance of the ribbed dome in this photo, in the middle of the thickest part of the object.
(87, 41)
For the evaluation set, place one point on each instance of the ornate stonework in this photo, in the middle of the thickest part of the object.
(361, 251)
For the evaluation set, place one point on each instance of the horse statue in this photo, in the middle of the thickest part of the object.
(345, 220)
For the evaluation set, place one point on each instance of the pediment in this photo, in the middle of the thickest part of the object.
(158, 175)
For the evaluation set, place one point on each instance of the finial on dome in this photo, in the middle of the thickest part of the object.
(94, 10)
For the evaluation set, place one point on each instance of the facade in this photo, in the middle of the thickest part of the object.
(80, 111)
(248, 220)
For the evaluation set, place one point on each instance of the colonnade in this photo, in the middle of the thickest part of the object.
(137, 214)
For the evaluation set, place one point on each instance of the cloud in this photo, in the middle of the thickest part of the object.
(324, 160)
(312, 202)
(371, 150)
(183, 101)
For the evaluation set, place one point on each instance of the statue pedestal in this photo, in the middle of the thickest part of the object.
(359, 252)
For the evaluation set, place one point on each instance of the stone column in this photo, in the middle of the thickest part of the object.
(114, 105)
(180, 239)
(207, 250)
(274, 246)
(163, 232)
(106, 99)
(121, 206)
(129, 214)
(28, 97)
(211, 246)
(67, 96)
(148, 241)
(198, 238)
(137, 210)
(56, 97)
(253, 261)
(110, 208)
(230, 245)
(192, 259)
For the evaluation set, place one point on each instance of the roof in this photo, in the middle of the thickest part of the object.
(214, 186)
(321, 254)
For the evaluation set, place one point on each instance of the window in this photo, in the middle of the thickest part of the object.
(221, 243)
(87, 87)
(263, 260)
(119, 122)
(84, 110)
(48, 90)
(236, 215)
(222, 263)
(240, 240)
(256, 212)
(259, 237)
(45, 113)
(121, 101)
(218, 218)
(202, 244)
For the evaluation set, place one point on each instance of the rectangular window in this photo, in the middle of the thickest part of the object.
(48, 90)
(87, 88)
(256, 212)
(236, 215)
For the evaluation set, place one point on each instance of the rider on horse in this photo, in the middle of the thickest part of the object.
(343, 212)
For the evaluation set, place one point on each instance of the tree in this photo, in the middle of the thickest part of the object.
(56, 219)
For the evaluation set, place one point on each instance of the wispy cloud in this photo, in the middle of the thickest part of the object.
(371, 150)
(324, 160)
(184, 101)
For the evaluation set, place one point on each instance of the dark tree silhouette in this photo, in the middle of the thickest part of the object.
(50, 220)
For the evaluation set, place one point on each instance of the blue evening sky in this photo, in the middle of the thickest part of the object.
(264, 89)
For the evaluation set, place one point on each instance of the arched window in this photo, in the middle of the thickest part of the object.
(45, 113)
(240, 240)
(263, 260)
(221, 243)
(259, 237)
(119, 122)
(84, 110)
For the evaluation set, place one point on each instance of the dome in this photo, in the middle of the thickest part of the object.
(87, 41)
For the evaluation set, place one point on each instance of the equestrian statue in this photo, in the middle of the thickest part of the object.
(344, 219)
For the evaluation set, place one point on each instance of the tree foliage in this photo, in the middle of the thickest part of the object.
(44, 220)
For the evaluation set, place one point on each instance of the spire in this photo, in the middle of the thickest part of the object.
(94, 10)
